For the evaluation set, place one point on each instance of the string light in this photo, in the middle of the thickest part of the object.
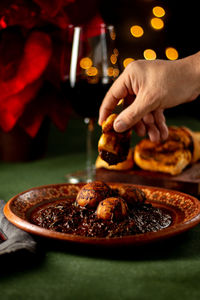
(157, 23)
(113, 59)
(85, 63)
(137, 31)
(158, 11)
(171, 53)
(149, 54)
(127, 61)
(110, 71)
(116, 52)
(92, 71)
(115, 72)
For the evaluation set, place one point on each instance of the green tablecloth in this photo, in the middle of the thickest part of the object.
(168, 270)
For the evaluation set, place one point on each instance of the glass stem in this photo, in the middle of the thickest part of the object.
(89, 149)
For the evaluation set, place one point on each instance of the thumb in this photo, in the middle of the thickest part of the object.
(133, 114)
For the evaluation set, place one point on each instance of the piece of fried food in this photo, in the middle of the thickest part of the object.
(171, 156)
(124, 165)
(132, 195)
(113, 147)
(92, 193)
(112, 208)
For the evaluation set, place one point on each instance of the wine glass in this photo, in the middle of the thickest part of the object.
(90, 67)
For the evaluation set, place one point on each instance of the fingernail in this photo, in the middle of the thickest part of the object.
(120, 126)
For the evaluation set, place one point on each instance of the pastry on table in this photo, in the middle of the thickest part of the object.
(181, 149)
(113, 147)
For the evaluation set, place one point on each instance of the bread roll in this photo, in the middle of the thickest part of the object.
(181, 149)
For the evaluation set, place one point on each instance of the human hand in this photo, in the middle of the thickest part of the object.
(149, 87)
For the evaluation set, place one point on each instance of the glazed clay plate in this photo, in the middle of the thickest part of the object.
(184, 209)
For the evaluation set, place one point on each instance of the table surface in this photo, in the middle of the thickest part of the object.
(166, 270)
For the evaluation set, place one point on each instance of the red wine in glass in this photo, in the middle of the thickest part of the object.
(86, 98)
(90, 69)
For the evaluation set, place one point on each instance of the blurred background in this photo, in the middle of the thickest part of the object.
(167, 28)
(155, 29)
(32, 37)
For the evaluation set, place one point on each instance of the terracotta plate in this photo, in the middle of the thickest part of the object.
(184, 209)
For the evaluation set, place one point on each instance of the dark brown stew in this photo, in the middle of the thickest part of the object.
(68, 217)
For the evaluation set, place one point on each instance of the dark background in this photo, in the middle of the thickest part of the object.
(181, 31)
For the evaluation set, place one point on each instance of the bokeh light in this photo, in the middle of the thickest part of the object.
(85, 63)
(115, 72)
(137, 31)
(158, 11)
(149, 54)
(127, 61)
(157, 23)
(171, 53)
(113, 59)
(92, 71)
(116, 51)
(110, 71)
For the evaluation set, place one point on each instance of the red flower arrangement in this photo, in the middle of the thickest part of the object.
(32, 36)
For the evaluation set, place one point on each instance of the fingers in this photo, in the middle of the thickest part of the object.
(133, 113)
(120, 89)
(152, 129)
(154, 125)
(161, 123)
(143, 113)
(140, 128)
